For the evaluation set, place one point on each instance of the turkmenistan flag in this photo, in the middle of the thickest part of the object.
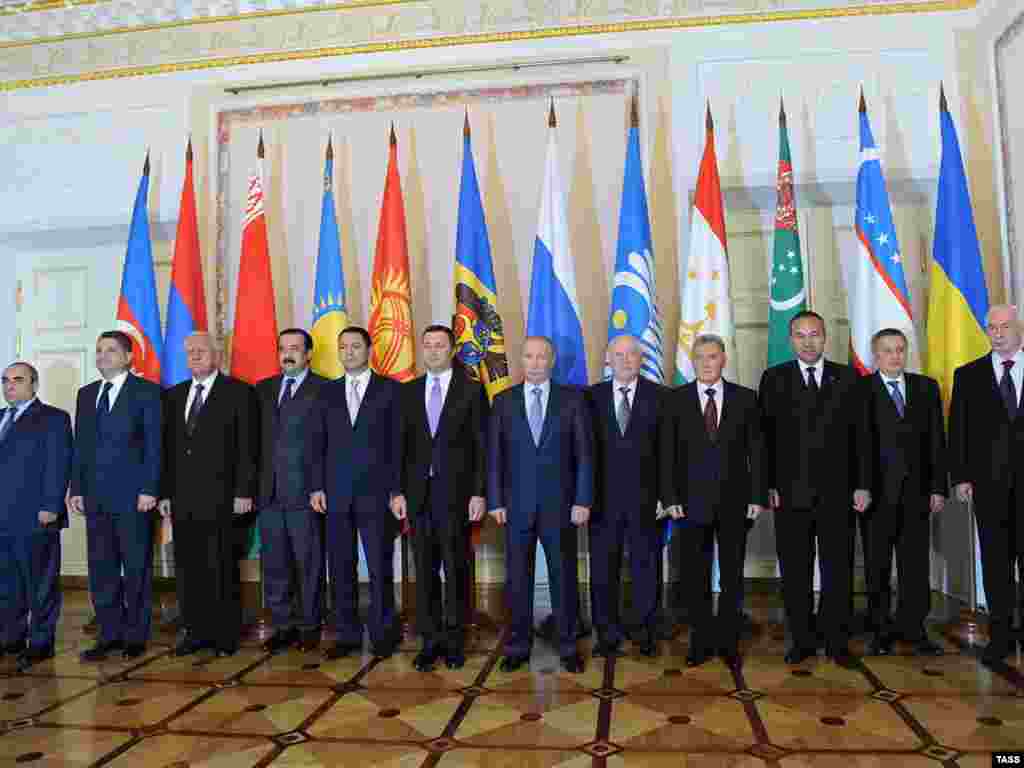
(786, 286)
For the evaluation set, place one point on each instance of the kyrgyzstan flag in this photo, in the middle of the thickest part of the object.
(254, 345)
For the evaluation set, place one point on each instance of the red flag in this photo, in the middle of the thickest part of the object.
(393, 351)
(254, 349)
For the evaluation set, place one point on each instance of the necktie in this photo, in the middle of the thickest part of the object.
(103, 406)
(1008, 391)
(897, 397)
(536, 415)
(812, 380)
(624, 411)
(193, 411)
(434, 406)
(711, 414)
(286, 396)
(353, 401)
(8, 422)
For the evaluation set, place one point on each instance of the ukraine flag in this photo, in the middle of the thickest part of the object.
(329, 314)
(957, 295)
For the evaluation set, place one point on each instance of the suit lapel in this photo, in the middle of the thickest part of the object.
(212, 399)
(549, 413)
(882, 392)
(724, 418)
(123, 392)
(372, 387)
(449, 405)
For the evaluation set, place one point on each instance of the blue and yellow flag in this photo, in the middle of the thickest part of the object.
(329, 314)
(957, 295)
(479, 334)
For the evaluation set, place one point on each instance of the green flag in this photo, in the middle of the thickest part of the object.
(786, 284)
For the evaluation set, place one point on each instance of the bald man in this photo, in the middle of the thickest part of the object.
(986, 441)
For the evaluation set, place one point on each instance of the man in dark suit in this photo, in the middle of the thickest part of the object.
(818, 458)
(209, 480)
(712, 476)
(628, 414)
(986, 441)
(35, 462)
(440, 462)
(115, 479)
(540, 483)
(353, 472)
(908, 446)
(291, 532)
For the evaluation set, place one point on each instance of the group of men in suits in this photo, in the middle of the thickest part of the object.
(319, 463)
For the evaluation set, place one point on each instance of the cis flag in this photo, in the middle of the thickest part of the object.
(254, 350)
(957, 294)
(394, 352)
(479, 333)
(554, 310)
(329, 314)
(138, 313)
(186, 302)
(706, 303)
(634, 309)
(876, 285)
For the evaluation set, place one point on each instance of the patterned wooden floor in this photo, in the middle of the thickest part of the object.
(296, 709)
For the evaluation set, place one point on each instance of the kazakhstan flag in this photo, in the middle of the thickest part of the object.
(329, 314)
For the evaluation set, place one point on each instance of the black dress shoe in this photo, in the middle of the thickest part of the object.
(695, 657)
(100, 651)
(996, 651)
(188, 645)
(341, 650)
(15, 649)
(512, 663)
(33, 655)
(731, 658)
(605, 650)
(280, 640)
(382, 651)
(841, 655)
(309, 640)
(797, 655)
(133, 650)
(649, 647)
(224, 652)
(880, 645)
(572, 664)
(425, 660)
(455, 659)
(925, 646)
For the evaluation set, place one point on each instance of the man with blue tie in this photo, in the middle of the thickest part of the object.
(440, 490)
(353, 473)
(115, 480)
(291, 532)
(35, 462)
(908, 445)
(540, 484)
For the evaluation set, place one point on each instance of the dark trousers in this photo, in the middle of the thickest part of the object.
(697, 549)
(903, 528)
(1001, 536)
(608, 540)
(292, 556)
(440, 537)
(206, 568)
(30, 596)
(367, 517)
(560, 548)
(796, 530)
(120, 552)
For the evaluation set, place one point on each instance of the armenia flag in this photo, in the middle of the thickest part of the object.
(329, 314)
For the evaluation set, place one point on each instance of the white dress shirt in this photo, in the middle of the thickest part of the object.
(901, 385)
(819, 370)
(297, 380)
(545, 392)
(719, 394)
(356, 384)
(207, 386)
(444, 378)
(1016, 373)
(115, 388)
(13, 412)
(617, 392)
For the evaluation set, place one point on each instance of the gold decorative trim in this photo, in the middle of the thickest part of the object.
(33, 6)
(351, 5)
(648, 25)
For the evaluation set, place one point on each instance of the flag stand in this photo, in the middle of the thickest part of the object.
(405, 617)
(968, 626)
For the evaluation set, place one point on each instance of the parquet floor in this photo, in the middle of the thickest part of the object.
(296, 709)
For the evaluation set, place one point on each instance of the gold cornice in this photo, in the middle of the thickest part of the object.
(351, 5)
(647, 25)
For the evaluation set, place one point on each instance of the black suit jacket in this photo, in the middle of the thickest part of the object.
(985, 446)
(708, 478)
(627, 467)
(204, 473)
(832, 437)
(287, 454)
(457, 450)
(908, 454)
